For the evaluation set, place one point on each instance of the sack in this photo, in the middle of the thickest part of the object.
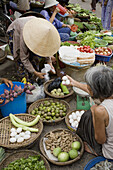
(38, 93)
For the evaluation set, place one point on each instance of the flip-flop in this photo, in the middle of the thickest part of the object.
(89, 149)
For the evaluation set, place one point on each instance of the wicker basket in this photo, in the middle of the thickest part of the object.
(6, 125)
(22, 154)
(67, 120)
(62, 163)
(38, 102)
(46, 84)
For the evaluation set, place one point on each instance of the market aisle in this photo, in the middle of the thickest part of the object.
(87, 5)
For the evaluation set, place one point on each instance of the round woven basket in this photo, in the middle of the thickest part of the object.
(38, 102)
(46, 84)
(6, 125)
(22, 154)
(62, 163)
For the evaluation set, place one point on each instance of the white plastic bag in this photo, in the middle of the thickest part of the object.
(38, 93)
(46, 69)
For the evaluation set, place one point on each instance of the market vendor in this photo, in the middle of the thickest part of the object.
(50, 15)
(32, 41)
(96, 125)
(8, 83)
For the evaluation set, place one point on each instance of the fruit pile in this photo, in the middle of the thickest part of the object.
(49, 110)
(103, 51)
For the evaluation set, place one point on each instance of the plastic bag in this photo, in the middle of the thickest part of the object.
(38, 93)
(46, 69)
(55, 84)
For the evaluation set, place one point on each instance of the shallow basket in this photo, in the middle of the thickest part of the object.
(22, 154)
(6, 125)
(46, 84)
(62, 163)
(103, 58)
(38, 102)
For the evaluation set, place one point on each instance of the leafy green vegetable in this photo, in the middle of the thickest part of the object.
(30, 163)
(109, 39)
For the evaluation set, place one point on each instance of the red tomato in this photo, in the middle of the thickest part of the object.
(74, 28)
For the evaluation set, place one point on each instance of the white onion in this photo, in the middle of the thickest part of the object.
(17, 136)
(77, 113)
(63, 82)
(74, 116)
(19, 130)
(20, 139)
(70, 116)
(74, 124)
(12, 140)
(67, 82)
(78, 119)
(71, 121)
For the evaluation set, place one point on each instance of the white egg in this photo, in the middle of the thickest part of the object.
(13, 130)
(77, 113)
(19, 130)
(63, 82)
(67, 82)
(74, 124)
(71, 121)
(12, 140)
(82, 112)
(27, 136)
(20, 139)
(27, 132)
(70, 116)
(22, 134)
(64, 78)
(17, 136)
(13, 134)
(74, 116)
(78, 119)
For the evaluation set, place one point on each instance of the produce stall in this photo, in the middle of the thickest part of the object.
(49, 127)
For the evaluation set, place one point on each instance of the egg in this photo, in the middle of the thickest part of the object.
(17, 136)
(13, 130)
(64, 78)
(27, 132)
(67, 82)
(22, 134)
(19, 130)
(20, 139)
(12, 140)
(78, 119)
(71, 120)
(77, 113)
(26, 136)
(70, 116)
(13, 134)
(74, 116)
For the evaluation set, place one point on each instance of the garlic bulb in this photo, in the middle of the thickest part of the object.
(20, 139)
(12, 140)
(19, 130)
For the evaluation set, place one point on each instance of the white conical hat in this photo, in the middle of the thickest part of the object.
(50, 3)
(41, 37)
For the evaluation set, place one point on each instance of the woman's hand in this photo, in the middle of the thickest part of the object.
(40, 75)
(7, 82)
(52, 68)
(1, 101)
(56, 10)
(65, 25)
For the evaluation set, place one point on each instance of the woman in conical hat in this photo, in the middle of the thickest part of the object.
(50, 15)
(33, 36)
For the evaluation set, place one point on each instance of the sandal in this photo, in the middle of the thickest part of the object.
(89, 149)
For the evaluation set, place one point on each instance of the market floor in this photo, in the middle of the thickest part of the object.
(8, 70)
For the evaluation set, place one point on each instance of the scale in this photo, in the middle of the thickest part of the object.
(82, 99)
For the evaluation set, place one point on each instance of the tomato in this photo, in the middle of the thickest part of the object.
(74, 28)
(85, 46)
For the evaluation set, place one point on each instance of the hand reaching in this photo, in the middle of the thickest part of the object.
(40, 75)
(7, 82)
(71, 81)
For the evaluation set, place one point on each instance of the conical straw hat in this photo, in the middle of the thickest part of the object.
(41, 37)
(50, 3)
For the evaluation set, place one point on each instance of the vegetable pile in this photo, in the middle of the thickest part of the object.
(85, 49)
(62, 145)
(9, 95)
(74, 118)
(50, 110)
(103, 51)
(32, 162)
(24, 125)
(57, 92)
(103, 165)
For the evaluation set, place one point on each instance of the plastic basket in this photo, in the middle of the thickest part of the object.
(18, 105)
(94, 161)
(103, 58)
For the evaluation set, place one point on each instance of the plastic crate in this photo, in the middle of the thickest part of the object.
(103, 58)
(83, 103)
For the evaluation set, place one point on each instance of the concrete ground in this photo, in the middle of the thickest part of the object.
(7, 69)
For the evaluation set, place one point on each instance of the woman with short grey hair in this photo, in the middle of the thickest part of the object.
(96, 127)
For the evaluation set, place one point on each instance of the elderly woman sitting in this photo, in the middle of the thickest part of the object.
(96, 125)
